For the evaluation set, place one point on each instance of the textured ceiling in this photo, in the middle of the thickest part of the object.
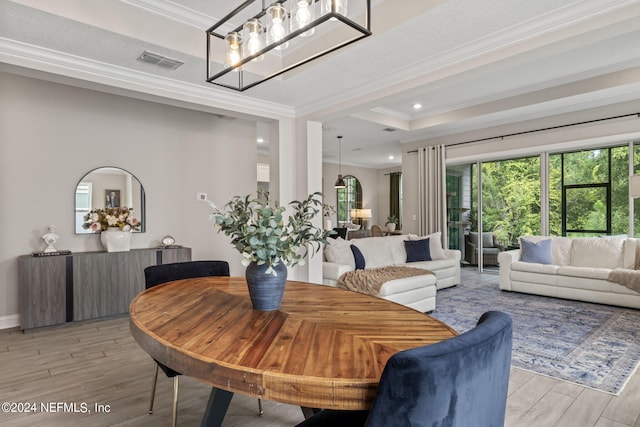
(472, 65)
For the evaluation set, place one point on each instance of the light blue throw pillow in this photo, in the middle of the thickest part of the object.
(539, 252)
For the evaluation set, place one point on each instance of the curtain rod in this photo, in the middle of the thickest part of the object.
(538, 130)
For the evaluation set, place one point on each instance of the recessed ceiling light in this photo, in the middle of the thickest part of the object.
(260, 140)
(417, 106)
(391, 157)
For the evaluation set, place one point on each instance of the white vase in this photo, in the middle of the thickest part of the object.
(327, 224)
(115, 240)
(391, 226)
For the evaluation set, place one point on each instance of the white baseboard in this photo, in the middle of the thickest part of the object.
(7, 322)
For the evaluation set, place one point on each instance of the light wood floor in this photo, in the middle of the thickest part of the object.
(98, 363)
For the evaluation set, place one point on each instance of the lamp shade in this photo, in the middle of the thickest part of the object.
(339, 182)
(634, 186)
(364, 213)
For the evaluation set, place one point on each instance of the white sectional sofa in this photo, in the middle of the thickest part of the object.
(578, 269)
(416, 292)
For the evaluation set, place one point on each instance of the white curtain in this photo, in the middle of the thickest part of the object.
(432, 192)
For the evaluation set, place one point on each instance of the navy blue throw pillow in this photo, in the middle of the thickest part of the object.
(358, 257)
(417, 250)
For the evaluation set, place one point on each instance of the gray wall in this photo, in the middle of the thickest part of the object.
(52, 134)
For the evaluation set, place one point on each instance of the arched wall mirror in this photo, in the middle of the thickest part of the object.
(349, 198)
(108, 187)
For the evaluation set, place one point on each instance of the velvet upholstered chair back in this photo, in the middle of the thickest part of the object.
(163, 273)
(157, 274)
(459, 382)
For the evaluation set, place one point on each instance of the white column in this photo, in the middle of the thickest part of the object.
(314, 183)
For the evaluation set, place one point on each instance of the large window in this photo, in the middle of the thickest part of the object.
(510, 199)
(587, 192)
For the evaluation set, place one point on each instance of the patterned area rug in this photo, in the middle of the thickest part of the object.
(596, 346)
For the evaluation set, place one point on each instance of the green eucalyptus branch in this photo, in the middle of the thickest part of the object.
(260, 232)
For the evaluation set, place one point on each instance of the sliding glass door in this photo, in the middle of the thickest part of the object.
(578, 193)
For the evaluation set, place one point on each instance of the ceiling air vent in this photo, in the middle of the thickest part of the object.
(389, 129)
(159, 60)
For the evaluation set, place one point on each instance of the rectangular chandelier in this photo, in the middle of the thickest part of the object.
(256, 42)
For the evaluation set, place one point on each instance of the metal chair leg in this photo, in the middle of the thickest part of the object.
(260, 411)
(153, 386)
(175, 400)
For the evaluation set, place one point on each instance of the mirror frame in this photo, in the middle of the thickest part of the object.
(141, 215)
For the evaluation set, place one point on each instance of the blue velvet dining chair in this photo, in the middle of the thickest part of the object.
(163, 273)
(459, 382)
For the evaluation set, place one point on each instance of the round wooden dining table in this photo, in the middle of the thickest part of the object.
(324, 348)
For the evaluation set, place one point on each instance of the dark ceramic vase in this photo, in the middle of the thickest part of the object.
(266, 290)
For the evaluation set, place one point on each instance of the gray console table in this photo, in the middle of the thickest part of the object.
(85, 285)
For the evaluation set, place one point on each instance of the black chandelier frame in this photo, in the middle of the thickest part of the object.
(363, 30)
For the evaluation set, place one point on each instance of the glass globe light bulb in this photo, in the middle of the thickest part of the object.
(303, 15)
(234, 49)
(276, 16)
(253, 37)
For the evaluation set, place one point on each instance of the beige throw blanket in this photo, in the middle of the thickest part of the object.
(370, 281)
(627, 277)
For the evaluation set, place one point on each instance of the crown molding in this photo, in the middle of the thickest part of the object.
(175, 12)
(569, 21)
(61, 64)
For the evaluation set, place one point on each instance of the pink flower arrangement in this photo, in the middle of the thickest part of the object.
(100, 219)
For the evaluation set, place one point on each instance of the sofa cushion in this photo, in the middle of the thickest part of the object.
(560, 248)
(597, 252)
(396, 245)
(358, 257)
(584, 272)
(536, 252)
(532, 267)
(417, 250)
(433, 265)
(435, 244)
(377, 253)
(339, 251)
(629, 257)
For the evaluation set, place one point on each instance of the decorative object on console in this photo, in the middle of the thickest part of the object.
(115, 240)
(168, 242)
(235, 58)
(267, 240)
(392, 222)
(328, 210)
(102, 219)
(50, 238)
(115, 225)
